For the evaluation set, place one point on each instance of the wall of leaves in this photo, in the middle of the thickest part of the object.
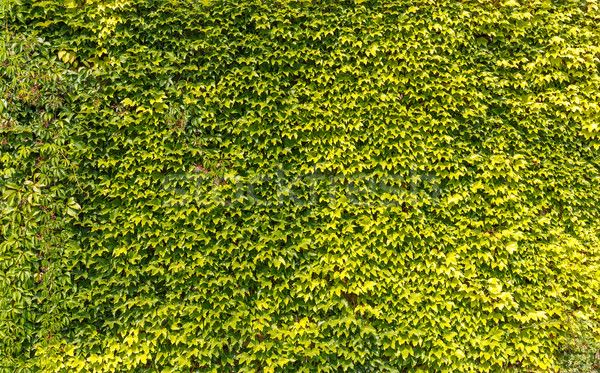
(297, 186)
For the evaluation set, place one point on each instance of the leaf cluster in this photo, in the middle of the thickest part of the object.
(298, 186)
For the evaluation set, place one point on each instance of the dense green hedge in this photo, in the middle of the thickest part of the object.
(297, 186)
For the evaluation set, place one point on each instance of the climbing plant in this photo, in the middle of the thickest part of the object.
(298, 186)
(37, 179)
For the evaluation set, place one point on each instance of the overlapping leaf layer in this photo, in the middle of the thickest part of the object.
(297, 186)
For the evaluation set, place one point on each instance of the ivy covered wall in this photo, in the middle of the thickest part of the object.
(297, 186)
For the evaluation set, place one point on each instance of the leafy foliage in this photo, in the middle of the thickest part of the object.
(37, 183)
(298, 186)
(581, 354)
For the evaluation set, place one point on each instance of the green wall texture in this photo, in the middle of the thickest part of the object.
(297, 186)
